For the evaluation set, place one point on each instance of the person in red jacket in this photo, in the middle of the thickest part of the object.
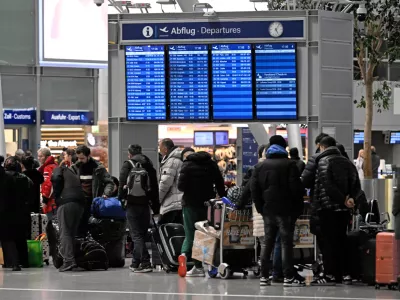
(47, 166)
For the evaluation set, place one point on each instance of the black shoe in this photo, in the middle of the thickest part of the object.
(294, 282)
(347, 280)
(16, 268)
(265, 281)
(68, 267)
(276, 280)
(144, 268)
(133, 267)
(323, 281)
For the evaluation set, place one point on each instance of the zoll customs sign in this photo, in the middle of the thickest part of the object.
(22, 116)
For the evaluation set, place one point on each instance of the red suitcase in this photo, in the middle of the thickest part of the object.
(387, 260)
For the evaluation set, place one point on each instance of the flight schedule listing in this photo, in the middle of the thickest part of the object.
(276, 83)
(145, 83)
(232, 81)
(188, 86)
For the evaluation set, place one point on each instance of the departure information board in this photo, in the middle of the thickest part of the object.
(359, 137)
(188, 73)
(232, 81)
(145, 83)
(395, 138)
(276, 81)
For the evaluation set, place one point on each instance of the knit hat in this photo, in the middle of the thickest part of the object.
(187, 149)
(277, 140)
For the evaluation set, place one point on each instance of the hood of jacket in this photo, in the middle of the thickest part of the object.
(276, 151)
(173, 153)
(143, 160)
(328, 152)
(201, 157)
(49, 161)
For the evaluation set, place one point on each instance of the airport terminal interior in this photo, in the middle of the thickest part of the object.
(217, 78)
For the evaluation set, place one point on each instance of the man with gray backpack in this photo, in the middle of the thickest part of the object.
(138, 191)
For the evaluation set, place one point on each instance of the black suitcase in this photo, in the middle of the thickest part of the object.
(368, 261)
(168, 240)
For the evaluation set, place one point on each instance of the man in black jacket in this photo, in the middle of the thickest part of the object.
(70, 201)
(137, 208)
(277, 192)
(336, 187)
(294, 155)
(199, 174)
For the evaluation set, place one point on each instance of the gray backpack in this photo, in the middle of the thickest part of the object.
(138, 181)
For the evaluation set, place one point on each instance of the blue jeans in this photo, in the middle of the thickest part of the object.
(277, 259)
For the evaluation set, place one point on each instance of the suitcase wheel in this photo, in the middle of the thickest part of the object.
(257, 272)
(378, 287)
(47, 262)
(226, 274)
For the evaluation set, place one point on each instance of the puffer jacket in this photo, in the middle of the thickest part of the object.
(276, 186)
(336, 178)
(198, 176)
(47, 187)
(170, 195)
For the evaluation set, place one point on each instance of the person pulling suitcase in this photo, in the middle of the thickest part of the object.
(138, 190)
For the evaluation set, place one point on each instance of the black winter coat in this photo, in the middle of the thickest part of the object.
(67, 186)
(37, 179)
(199, 174)
(300, 164)
(15, 189)
(152, 198)
(276, 187)
(336, 178)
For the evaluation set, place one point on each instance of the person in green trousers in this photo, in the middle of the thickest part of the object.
(198, 180)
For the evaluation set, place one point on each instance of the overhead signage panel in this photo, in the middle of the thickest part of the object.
(23, 116)
(284, 29)
(67, 117)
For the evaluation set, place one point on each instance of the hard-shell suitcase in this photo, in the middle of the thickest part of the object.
(387, 259)
(38, 227)
(214, 215)
(368, 261)
(168, 240)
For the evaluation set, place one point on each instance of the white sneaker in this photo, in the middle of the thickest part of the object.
(195, 272)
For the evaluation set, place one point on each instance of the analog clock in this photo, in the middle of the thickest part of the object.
(276, 29)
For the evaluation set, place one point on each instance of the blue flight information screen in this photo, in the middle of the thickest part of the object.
(145, 83)
(276, 81)
(188, 73)
(395, 138)
(358, 137)
(232, 82)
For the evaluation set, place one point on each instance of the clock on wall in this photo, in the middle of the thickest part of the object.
(275, 29)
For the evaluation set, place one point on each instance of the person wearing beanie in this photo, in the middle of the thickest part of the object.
(277, 193)
(197, 178)
(186, 152)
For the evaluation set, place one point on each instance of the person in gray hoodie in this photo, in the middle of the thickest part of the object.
(170, 195)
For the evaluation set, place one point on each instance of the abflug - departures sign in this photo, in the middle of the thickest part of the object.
(67, 117)
(19, 116)
(293, 29)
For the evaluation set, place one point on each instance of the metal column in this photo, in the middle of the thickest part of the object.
(259, 133)
(294, 137)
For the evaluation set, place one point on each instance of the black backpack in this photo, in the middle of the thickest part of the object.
(138, 181)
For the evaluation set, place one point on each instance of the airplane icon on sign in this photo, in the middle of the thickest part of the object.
(258, 47)
(215, 47)
(129, 49)
(165, 29)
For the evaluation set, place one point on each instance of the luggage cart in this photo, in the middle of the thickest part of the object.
(235, 253)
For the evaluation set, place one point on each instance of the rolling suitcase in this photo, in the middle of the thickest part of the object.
(38, 227)
(168, 240)
(387, 259)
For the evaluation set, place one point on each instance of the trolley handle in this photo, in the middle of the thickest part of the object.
(229, 203)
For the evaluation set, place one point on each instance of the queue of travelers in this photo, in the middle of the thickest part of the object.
(276, 187)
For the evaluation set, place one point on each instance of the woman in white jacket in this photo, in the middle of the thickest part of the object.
(360, 164)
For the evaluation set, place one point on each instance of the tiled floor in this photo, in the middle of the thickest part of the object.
(120, 284)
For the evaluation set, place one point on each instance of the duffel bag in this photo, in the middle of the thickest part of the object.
(108, 208)
(106, 230)
(90, 255)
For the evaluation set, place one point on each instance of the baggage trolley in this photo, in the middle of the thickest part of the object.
(235, 252)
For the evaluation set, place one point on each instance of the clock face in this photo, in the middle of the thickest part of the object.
(276, 29)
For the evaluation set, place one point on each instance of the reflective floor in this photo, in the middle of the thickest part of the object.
(121, 284)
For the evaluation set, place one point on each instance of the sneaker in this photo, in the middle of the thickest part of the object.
(67, 267)
(347, 280)
(144, 269)
(196, 272)
(265, 282)
(323, 281)
(299, 277)
(276, 280)
(133, 267)
(294, 282)
(182, 270)
(16, 268)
